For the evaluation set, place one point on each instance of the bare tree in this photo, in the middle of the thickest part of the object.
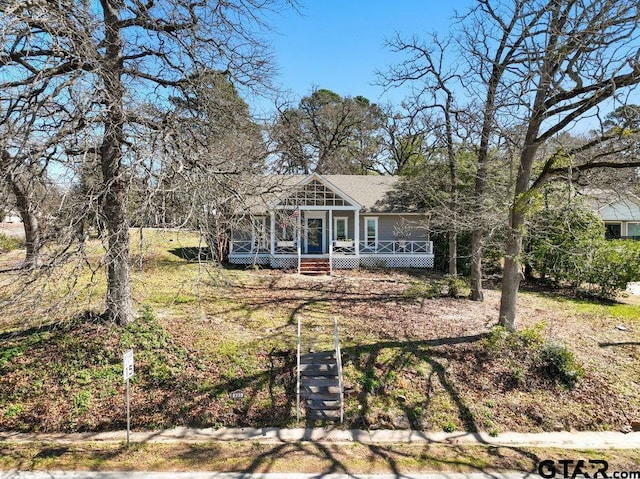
(487, 53)
(109, 58)
(576, 56)
(426, 63)
(539, 68)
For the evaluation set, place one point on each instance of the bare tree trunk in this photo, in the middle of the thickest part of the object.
(453, 253)
(512, 274)
(26, 208)
(118, 301)
(30, 224)
(453, 179)
(476, 265)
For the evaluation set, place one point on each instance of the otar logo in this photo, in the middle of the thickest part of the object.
(568, 468)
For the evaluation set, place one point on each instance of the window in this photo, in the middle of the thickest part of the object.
(613, 230)
(633, 230)
(371, 232)
(287, 232)
(260, 232)
(340, 228)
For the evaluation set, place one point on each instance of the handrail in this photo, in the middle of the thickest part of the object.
(330, 259)
(336, 345)
(298, 373)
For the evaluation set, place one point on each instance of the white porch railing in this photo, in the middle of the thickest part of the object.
(241, 247)
(380, 247)
(396, 247)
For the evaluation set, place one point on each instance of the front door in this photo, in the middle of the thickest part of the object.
(314, 236)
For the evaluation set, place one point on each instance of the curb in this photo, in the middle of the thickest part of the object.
(564, 439)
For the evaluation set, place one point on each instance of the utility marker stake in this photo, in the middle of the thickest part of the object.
(127, 372)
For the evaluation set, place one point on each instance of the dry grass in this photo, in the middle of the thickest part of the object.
(300, 457)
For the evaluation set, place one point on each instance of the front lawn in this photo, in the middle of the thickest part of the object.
(411, 361)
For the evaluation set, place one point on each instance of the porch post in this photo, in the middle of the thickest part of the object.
(330, 239)
(273, 233)
(356, 232)
(299, 218)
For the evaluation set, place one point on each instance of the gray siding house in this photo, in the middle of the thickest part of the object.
(346, 220)
(620, 213)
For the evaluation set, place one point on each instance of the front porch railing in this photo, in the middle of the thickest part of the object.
(239, 247)
(396, 247)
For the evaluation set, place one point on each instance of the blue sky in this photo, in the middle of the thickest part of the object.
(339, 44)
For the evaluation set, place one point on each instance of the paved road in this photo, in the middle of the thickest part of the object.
(242, 475)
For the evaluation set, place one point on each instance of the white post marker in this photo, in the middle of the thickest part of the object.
(127, 372)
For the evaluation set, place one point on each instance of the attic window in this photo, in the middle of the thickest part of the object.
(314, 193)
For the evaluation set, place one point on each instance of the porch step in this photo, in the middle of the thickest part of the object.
(313, 266)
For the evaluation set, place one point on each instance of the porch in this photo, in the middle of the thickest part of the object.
(341, 254)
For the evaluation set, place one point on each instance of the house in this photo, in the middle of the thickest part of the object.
(346, 221)
(12, 217)
(619, 212)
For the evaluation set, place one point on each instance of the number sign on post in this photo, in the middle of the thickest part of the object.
(127, 373)
(128, 364)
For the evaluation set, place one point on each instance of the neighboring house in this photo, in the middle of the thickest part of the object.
(12, 217)
(619, 212)
(346, 220)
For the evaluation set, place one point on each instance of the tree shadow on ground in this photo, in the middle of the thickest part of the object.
(193, 253)
(315, 457)
(401, 460)
(371, 361)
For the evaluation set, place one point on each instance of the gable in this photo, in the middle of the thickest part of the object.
(367, 193)
(621, 210)
(316, 192)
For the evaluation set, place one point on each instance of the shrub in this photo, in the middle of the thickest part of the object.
(527, 359)
(563, 238)
(457, 286)
(614, 264)
(559, 363)
(494, 342)
(449, 426)
(499, 339)
(427, 290)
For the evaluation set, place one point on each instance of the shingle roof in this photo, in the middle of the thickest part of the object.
(372, 192)
(368, 190)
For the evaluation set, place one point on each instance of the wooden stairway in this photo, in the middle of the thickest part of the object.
(320, 393)
(320, 385)
(315, 266)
